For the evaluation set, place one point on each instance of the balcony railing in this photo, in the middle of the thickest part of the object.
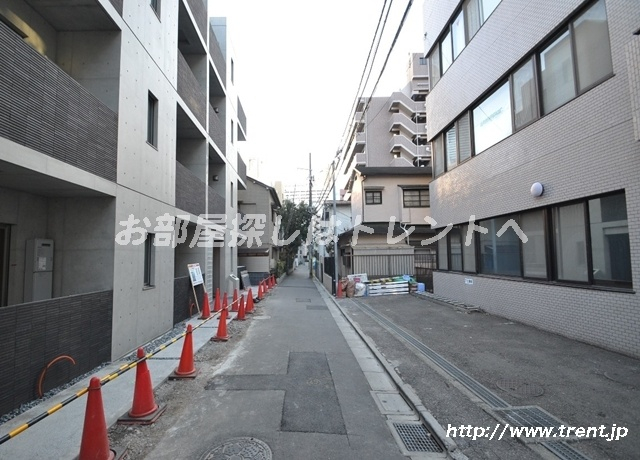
(45, 109)
(361, 140)
(217, 130)
(399, 144)
(190, 191)
(216, 54)
(199, 11)
(190, 90)
(242, 169)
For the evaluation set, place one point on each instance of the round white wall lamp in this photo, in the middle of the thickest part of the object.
(537, 189)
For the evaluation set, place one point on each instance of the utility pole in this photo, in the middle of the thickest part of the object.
(310, 257)
(336, 278)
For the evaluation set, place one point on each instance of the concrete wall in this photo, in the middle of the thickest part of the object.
(392, 202)
(584, 148)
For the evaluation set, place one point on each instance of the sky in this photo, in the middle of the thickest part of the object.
(298, 65)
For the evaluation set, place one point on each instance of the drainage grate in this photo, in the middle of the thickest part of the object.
(529, 416)
(564, 451)
(416, 438)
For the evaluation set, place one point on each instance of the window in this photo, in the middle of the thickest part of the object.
(233, 131)
(232, 70)
(415, 198)
(231, 194)
(149, 260)
(492, 119)
(152, 120)
(155, 5)
(499, 255)
(593, 50)
(487, 8)
(438, 149)
(464, 137)
(556, 70)
(570, 242)
(452, 152)
(468, 251)
(434, 66)
(446, 52)
(443, 263)
(525, 99)
(473, 17)
(610, 248)
(534, 258)
(455, 245)
(457, 34)
(373, 197)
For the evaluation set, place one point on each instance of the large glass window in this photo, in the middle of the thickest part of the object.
(457, 34)
(446, 52)
(434, 66)
(525, 99)
(468, 251)
(443, 254)
(455, 245)
(464, 137)
(438, 148)
(499, 255)
(610, 248)
(570, 242)
(593, 50)
(492, 119)
(452, 153)
(534, 250)
(487, 8)
(473, 17)
(556, 71)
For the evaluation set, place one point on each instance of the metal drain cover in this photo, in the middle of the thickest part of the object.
(240, 449)
(416, 438)
(520, 388)
(529, 416)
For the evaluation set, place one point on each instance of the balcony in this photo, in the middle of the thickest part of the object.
(217, 56)
(199, 11)
(401, 144)
(45, 109)
(361, 140)
(190, 191)
(401, 102)
(217, 129)
(242, 171)
(401, 122)
(190, 90)
(217, 203)
(242, 122)
(361, 159)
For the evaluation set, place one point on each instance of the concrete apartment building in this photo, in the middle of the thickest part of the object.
(115, 116)
(387, 169)
(258, 206)
(533, 117)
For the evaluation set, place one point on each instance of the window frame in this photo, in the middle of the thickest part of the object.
(372, 194)
(419, 190)
(153, 107)
(149, 261)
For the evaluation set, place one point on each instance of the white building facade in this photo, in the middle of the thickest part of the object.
(546, 93)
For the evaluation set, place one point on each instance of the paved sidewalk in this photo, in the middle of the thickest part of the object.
(468, 367)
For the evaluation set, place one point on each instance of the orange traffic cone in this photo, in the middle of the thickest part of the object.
(221, 335)
(206, 311)
(249, 306)
(241, 310)
(144, 410)
(234, 303)
(339, 292)
(260, 291)
(95, 443)
(216, 303)
(186, 368)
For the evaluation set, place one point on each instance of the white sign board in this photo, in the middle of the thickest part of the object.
(195, 274)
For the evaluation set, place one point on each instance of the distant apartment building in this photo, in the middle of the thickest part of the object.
(119, 129)
(533, 117)
(387, 166)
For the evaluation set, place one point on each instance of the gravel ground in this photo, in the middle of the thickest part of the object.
(139, 440)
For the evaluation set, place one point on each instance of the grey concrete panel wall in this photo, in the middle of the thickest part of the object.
(217, 55)
(633, 66)
(45, 109)
(83, 234)
(199, 12)
(217, 130)
(33, 334)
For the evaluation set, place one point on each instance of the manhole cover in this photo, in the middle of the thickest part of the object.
(520, 388)
(239, 449)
